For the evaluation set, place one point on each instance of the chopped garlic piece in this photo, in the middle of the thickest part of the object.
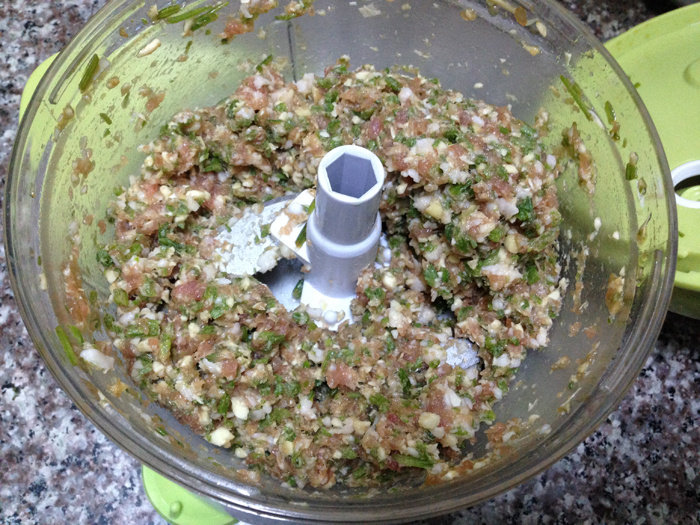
(221, 437)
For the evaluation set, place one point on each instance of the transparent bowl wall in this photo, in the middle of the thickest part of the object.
(42, 202)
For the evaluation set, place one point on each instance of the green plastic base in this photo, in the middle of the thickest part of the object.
(179, 506)
(686, 303)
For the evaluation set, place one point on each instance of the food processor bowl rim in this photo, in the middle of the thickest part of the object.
(209, 485)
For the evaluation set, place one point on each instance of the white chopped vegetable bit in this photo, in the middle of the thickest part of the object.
(429, 420)
(221, 437)
(95, 357)
(149, 48)
(239, 407)
(369, 10)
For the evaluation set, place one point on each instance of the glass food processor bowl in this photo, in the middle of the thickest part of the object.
(530, 56)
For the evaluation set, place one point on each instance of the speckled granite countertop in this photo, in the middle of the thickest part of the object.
(640, 466)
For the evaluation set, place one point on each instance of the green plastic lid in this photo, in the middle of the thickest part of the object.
(662, 58)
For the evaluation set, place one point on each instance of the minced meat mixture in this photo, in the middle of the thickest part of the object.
(469, 212)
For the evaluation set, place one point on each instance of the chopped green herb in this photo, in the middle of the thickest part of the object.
(209, 329)
(348, 453)
(395, 242)
(134, 331)
(496, 234)
(393, 84)
(300, 318)
(277, 415)
(167, 11)
(526, 211)
(361, 471)
(224, 404)
(325, 82)
(464, 312)
(576, 93)
(89, 73)
(296, 292)
(430, 274)
(411, 461)
(489, 415)
(494, 347)
(75, 331)
(464, 244)
(301, 238)
(272, 339)
(405, 382)
(203, 20)
(218, 311)
(381, 402)
(609, 112)
(164, 346)
(453, 135)
(331, 96)
(333, 126)
(366, 318)
(462, 190)
(377, 293)
(212, 163)
(289, 434)
(407, 141)
(104, 258)
(121, 297)
(265, 61)
(532, 276)
(175, 18)
(389, 343)
(67, 347)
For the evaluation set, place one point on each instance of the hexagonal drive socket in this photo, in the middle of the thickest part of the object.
(343, 230)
